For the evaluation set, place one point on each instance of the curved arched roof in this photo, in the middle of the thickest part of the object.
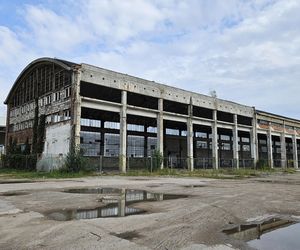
(64, 64)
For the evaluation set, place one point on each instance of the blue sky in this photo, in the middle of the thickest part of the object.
(247, 50)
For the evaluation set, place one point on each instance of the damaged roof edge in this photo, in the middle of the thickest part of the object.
(261, 112)
(69, 65)
(63, 63)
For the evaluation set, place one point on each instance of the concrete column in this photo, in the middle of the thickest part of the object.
(235, 143)
(295, 151)
(283, 149)
(215, 155)
(253, 141)
(270, 149)
(76, 109)
(122, 203)
(190, 135)
(160, 130)
(123, 133)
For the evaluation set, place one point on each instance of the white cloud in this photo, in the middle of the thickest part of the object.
(52, 32)
(248, 51)
(10, 46)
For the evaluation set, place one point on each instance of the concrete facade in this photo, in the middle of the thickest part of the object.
(191, 130)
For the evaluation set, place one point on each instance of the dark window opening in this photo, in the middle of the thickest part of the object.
(202, 112)
(244, 120)
(175, 107)
(224, 116)
(142, 100)
(100, 92)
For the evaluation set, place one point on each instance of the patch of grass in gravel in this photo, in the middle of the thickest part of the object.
(23, 174)
(208, 173)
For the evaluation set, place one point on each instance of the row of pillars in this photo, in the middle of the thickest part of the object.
(190, 133)
(282, 149)
(190, 142)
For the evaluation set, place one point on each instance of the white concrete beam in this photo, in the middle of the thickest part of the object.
(123, 133)
(215, 155)
(160, 129)
(235, 143)
(190, 135)
(270, 148)
(295, 151)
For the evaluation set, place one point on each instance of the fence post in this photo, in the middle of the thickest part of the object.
(151, 164)
(26, 162)
(101, 162)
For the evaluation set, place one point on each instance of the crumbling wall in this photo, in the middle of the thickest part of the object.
(56, 147)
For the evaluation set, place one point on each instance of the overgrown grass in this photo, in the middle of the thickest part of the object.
(23, 174)
(208, 173)
(167, 172)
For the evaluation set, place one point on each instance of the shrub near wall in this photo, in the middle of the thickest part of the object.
(19, 161)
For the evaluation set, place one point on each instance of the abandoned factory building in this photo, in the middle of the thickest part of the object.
(124, 119)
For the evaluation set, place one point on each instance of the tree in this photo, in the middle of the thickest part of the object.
(41, 134)
(27, 148)
(35, 127)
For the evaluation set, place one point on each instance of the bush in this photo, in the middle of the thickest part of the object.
(19, 161)
(74, 161)
(157, 159)
(263, 165)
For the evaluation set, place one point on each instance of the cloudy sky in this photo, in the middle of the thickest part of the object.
(248, 51)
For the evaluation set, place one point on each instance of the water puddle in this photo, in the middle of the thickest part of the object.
(129, 235)
(16, 181)
(119, 203)
(14, 193)
(194, 186)
(105, 190)
(270, 234)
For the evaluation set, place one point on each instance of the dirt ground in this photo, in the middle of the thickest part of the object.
(195, 222)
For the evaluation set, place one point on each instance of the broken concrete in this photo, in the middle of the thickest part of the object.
(195, 222)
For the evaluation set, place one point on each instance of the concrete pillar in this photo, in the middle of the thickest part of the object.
(254, 142)
(215, 155)
(235, 140)
(76, 109)
(122, 203)
(190, 135)
(283, 149)
(123, 132)
(270, 148)
(295, 151)
(160, 130)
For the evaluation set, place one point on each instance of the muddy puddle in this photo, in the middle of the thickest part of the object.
(14, 193)
(194, 186)
(129, 235)
(119, 203)
(272, 234)
(16, 181)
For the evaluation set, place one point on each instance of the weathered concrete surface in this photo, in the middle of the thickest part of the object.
(190, 223)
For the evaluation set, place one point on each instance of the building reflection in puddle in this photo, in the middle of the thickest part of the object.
(117, 206)
(272, 234)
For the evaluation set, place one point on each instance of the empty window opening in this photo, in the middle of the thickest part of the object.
(175, 107)
(244, 120)
(224, 116)
(100, 92)
(142, 100)
(202, 112)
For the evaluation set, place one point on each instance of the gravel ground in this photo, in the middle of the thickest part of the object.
(194, 222)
